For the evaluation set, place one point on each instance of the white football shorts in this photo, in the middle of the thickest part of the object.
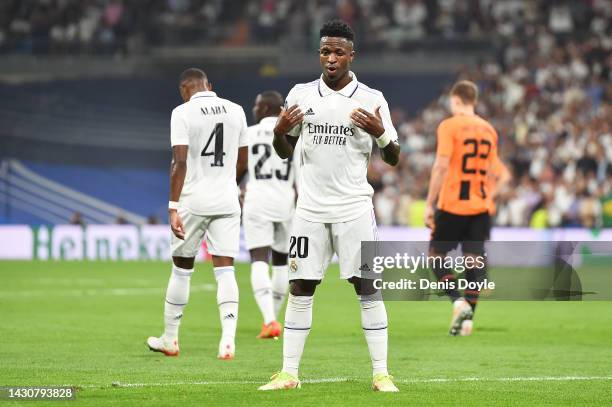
(222, 234)
(312, 246)
(259, 232)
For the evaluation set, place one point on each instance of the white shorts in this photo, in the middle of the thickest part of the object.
(312, 246)
(222, 235)
(260, 232)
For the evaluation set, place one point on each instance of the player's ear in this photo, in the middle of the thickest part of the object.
(352, 55)
(184, 92)
(209, 86)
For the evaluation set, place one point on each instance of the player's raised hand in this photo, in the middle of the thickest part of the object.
(288, 119)
(371, 123)
(176, 224)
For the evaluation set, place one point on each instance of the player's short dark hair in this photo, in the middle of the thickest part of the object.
(191, 74)
(337, 28)
(273, 100)
(467, 91)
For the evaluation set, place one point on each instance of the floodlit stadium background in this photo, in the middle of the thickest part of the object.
(87, 89)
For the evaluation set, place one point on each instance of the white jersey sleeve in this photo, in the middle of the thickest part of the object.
(385, 114)
(243, 139)
(179, 129)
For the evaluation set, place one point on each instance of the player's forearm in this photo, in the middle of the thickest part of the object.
(283, 148)
(435, 184)
(240, 173)
(390, 154)
(242, 163)
(178, 170)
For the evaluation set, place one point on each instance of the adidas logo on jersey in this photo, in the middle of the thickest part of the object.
(309, 112)
(364, 267)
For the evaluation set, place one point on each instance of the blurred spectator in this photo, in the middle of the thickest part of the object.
(116, 26)
(153, 220)
(77, 219)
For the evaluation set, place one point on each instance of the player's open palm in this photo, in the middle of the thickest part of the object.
(288, 119)
(371, 123)
(176, 224)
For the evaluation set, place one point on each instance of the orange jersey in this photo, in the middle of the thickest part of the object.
(497, 171)
(471, 144)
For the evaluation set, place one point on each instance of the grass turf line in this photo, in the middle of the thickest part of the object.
(97, 336)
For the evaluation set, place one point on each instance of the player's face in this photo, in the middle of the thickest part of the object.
(335, 55)
(259, 109)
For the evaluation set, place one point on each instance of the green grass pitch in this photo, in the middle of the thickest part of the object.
(85, 323)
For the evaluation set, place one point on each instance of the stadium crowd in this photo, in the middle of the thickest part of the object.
(550, 98)
(131, 26)
(547, 89)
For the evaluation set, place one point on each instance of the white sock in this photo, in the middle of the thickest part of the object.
(227, 299)
(262, 289)
(177, 296)
(374, 323)
(280, 286)
(298, 319)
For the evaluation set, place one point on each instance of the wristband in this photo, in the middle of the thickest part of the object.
(383, 140)
(173, 205)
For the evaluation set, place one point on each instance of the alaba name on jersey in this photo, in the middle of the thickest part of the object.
(269, 192)
(334, 153)
(213, 128)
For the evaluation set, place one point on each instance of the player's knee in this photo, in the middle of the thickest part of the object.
(183, 262)
(363, 286)
(259, 254)
(222, 261)
(303, 288)
(278, 258)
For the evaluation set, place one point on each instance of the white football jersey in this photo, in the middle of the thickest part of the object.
(213, 128)
(269, 191)
(335, 153)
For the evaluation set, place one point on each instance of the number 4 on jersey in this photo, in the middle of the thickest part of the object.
(218, 153)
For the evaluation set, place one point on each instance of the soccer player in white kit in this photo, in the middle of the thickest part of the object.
(209, 150)
(336, 117)
(268, 207)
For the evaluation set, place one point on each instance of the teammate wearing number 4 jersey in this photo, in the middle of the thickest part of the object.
(209, 138)
(459, 184)
(336, 119)
(269, 204)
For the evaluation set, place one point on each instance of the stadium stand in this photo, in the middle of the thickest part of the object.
(114, 26)
(551, 103)
(545, 85)
(32, 198)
